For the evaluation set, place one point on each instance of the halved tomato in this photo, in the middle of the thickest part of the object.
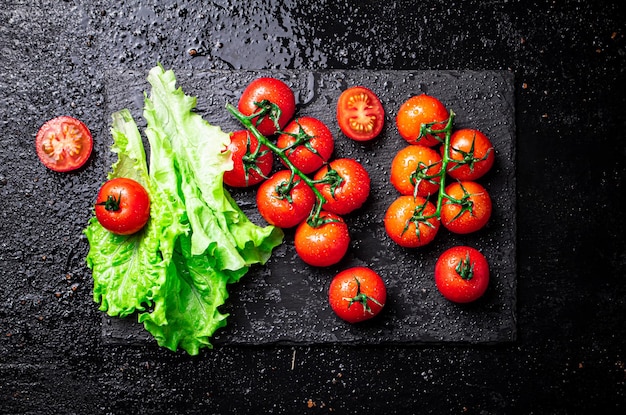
(360, 113)
(63, 144)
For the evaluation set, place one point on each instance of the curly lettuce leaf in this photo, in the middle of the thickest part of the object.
(127, 270)
(175, 272)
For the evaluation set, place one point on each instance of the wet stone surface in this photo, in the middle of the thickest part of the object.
(285, 302)
(568, 65)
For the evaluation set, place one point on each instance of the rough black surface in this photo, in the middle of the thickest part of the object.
(568, 60)
(285, 302)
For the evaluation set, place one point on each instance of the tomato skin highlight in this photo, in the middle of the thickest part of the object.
(360, 114)
(242, 144)
(273, 90)
(403, 229)
(456, 217)
(131, 210)
(353, 190)
(324, 245)
(63, 144)
(276, 209)
(407, 162)
(417, 111)
(479, 151)
(449, 274)
(344, 287)
(321, 141)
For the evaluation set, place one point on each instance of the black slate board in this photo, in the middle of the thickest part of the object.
(285, 302)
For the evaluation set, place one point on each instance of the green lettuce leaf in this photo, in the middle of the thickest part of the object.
(175, 272)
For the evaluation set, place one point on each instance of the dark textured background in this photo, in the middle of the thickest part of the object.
(568, 60)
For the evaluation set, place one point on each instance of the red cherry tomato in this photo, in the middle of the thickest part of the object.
(322, 245)
(416, 165)
(360, 113)
(284, 202)
(357, 294)
(122, 206)
(469, 211)
(262, 91)
(308, 143)
(251, 164)
(408, 224)
(462, 274)
(63, 144)
(422, 110)
(474, 152)
(345, 185)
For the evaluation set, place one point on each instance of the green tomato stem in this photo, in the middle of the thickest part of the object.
(246, 121)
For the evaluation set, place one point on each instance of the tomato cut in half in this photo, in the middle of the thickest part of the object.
(357, 294)
(63, 144)
(122, 206)
(360, 114)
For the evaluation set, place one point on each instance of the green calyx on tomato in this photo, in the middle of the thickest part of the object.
(112, 203)
(362, 299)
(465, 268)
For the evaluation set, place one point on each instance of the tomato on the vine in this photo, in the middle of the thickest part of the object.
(284, 200)
(360, 113)
(469, 209)
(322, 244)
(416, 165)
(251, 163)
(122, 206)
(471, 154)
(357, 294)
(308, 143)
(345, 185)
(63, 144)
(411, 222)
(462, 274)
(272, 95)
(422, 110)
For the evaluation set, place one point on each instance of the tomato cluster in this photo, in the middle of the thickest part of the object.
(311, 192)
(419, 171)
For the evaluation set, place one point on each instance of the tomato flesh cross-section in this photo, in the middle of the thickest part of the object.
(64, 144)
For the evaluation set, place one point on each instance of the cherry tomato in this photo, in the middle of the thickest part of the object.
(416, 165)
(283, 200)
(322, 245)
(308, 143)
(345, 185)
(63, 144)
(422, 110)
(469, 211)
(360, 114)
(462, 274)
(259, 94)
(474, 150)
(251, 163)
(408, 221)
(122, 206)
(357, 294)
